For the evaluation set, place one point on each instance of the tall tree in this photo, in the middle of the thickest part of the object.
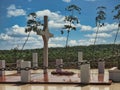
(32, 25)
(116, 17)
(101, 16)
(71, 20)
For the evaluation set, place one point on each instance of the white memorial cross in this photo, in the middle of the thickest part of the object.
(45, 35)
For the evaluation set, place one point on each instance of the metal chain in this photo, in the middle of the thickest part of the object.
(43, 67)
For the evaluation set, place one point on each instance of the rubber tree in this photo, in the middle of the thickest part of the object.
(116, 17)
(101, 16)
(32, 25)
(70, 20)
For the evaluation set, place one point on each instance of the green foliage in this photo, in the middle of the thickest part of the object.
(117, 10)
(70, 21)
(33, 23)
(72, 8)
(101, 15)
(101, 51)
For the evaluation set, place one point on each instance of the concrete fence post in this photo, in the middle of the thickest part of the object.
(25, 74)
(2, 65)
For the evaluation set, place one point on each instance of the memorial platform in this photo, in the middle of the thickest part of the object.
(37, 77)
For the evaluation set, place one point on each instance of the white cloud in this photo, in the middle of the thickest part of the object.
(58, 39)
(91, 0)
(100, 35)
(52, 15)
(16, 36)
(90, 41)
(85, 42)
(81, 42)
(55, 45)
(115, 31)
(57, 42)
(13, 11)
(85, 27)
(56, 21)
(5, 37)
(107, 27)
(16, 29)
(66, 1)
(11, 7)
(53, 24)
(36, 41)
(73, 42)
(29, 0)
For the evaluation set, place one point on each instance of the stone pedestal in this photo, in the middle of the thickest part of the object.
(85, 73)
(101, 67)
(59, 63)
(18, 64)
(35, 59)
(114, 74)
(80, 56)
(25, 74)
(2, 65)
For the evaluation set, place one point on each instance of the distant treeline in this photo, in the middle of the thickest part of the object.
(69, 54)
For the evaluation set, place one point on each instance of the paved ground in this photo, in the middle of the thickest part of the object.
(113, 86)
(38, 77)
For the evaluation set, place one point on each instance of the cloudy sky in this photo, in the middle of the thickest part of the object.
(13, 18)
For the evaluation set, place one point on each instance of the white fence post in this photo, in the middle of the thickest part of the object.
(85, 73)
(59, 63)
(2, 65)
(25, 74)
(19, 64)
(35, 59)
(80, 56)
(101, 67)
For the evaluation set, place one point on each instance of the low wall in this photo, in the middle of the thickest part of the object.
(114, 74)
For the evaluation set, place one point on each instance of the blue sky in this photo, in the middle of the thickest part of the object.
(13, 18)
